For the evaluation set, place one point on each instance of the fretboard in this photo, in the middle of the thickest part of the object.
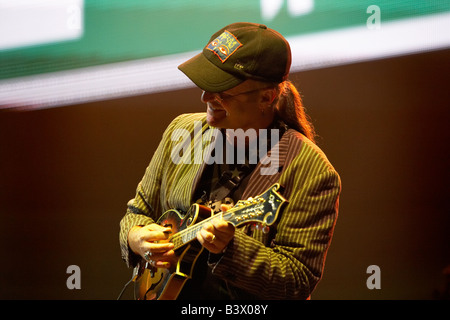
(187, 235)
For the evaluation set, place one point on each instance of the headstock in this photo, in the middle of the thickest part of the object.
(262, 209)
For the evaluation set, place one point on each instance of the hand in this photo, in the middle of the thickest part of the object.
(217, 234)
(152, 239)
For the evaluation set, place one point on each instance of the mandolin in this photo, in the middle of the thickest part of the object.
(153, 283)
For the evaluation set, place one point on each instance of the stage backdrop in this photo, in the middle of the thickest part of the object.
(87, 88)
(67, 173)
(61, 52)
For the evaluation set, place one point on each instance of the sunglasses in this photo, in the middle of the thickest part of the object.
(221, 96)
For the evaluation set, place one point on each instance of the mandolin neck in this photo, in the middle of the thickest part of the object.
(263, 209)
(187, 235)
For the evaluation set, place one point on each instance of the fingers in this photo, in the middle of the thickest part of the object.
(210, 244)
(160, 260)
(157, 247)
(155, 232)
(206, 236)
(225, 207)
(159, 255)
(215, 229)
(215, 235)
(151, 242)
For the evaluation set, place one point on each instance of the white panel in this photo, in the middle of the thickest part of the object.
(33, 22)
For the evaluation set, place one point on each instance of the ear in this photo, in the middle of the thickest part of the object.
(268, 96)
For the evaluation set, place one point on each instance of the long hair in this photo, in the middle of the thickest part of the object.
(289, 107)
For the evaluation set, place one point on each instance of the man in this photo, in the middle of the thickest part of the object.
(243, 73)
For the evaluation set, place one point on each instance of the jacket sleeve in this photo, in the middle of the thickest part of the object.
(291, 265)
(145, 207)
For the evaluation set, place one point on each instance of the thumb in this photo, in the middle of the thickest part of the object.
(157, 227)
(225, 207)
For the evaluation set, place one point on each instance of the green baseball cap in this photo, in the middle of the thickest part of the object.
(238, 52)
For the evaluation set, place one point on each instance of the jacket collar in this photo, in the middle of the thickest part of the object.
(267, 171)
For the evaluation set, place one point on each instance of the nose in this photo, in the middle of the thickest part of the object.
(208, 97)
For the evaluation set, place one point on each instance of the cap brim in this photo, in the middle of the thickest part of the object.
(207, 76)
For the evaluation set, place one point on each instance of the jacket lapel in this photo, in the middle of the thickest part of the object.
(269, 169)
(205, 143)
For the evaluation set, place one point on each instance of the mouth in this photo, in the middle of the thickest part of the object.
(214, 109)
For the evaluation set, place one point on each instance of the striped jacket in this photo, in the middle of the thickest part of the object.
(287, 262)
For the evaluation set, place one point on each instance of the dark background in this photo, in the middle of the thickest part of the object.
(67, 173)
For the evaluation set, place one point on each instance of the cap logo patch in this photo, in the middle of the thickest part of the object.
(224, 45)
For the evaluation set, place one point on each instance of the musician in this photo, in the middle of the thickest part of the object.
(243, 72)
